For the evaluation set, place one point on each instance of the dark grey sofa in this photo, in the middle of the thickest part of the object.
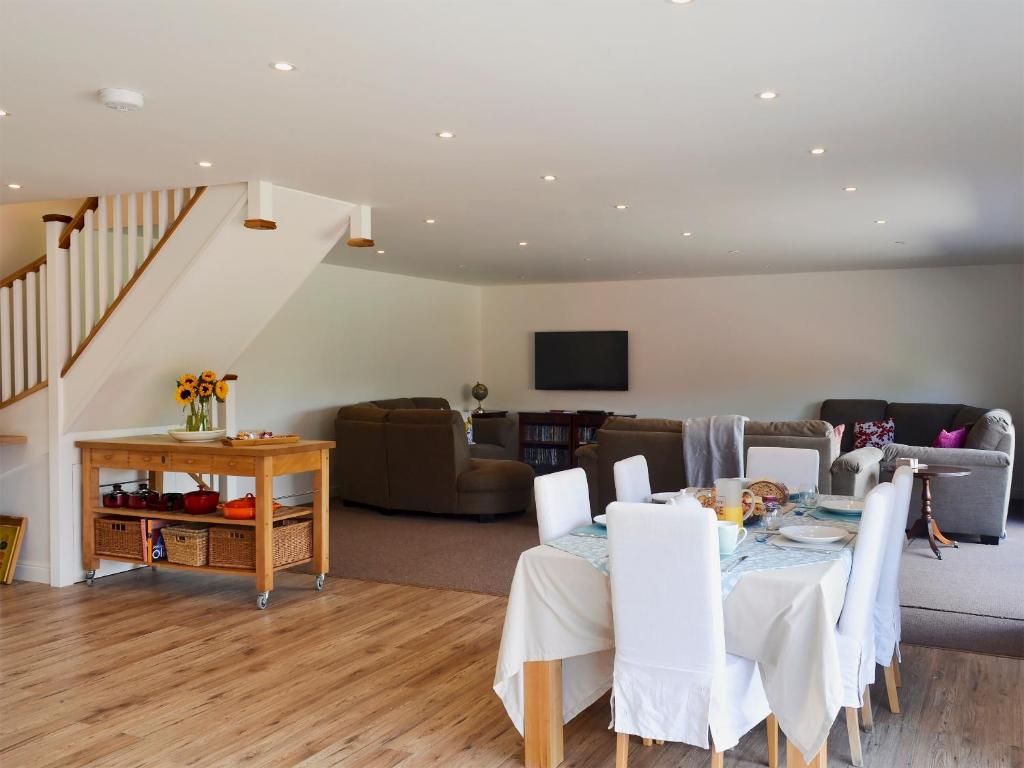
(973, 505)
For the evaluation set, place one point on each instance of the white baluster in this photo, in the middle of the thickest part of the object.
(102, 258)
(118, 234)
(133, 235)
(31, 331)
(76, 291)
(161, 214)
(147, 224)
(6, 362)
(88, 280)
(178, 192)
(18, 326)
(43, 328)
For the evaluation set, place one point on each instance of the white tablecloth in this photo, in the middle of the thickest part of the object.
(560, 608)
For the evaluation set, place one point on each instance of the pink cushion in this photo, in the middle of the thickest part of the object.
(839, 432)
(874, 433)
(954, 439)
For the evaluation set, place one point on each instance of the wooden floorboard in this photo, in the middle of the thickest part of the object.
(171, 669)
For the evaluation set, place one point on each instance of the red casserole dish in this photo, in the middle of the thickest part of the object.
(201, 502)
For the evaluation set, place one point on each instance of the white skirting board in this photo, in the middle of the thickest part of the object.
(32, 571)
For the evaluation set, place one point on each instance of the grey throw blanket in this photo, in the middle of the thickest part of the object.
(712, 448)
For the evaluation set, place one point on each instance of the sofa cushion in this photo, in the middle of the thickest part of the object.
(368, 413)
(623, 424)
(873, 434)
(395, 402)
(790, 428)
(919, 423)
(968, 416)
(990, 431)
(848, 411)
(954, 439)
(495, 475)
(434, 403)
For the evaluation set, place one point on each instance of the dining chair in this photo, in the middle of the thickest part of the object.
(632, 480)
(563, 503)
(855, 632)
(673, 679)
(794, 467)
(887, 607)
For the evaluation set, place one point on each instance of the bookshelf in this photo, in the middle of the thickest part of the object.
(548, 440)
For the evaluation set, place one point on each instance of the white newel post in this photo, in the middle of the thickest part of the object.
(57, 342)
(226, 419)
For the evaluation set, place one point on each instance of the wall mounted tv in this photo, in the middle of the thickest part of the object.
(596, 360)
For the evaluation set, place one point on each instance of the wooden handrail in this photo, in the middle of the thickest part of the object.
(23, 394)
(6, 282)
(134, 278)
(77, 222)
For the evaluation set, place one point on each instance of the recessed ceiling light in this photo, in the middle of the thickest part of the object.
(523, 242)
(818, 151)
(4, 113)
(733, 253)
(549, 177)
(768, 95)
(429, 221)
(522, 277)
(380, 253)
(678, 2)
(205, 164)
(282, 66)
(879, 221)
(687, 234)
(621, 206)
(900, 242)
(445, 135)
(849, 189)
(14, 186)
(588, 258)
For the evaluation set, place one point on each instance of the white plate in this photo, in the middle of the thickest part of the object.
(663, 497)
(601, 520)
(184, 436)
(814, 534)
(843, 505)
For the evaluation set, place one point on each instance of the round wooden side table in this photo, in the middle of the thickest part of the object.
(926, 524)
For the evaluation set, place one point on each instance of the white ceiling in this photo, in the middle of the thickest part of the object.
(920, 104)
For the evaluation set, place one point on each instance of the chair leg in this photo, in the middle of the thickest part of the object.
(891, 689)
(647, 742)
(717, 758)
(660, 742)
(853, 729)
(865, 710)
(795, 760)
(773, 741)
(621, 750)
(896, 670)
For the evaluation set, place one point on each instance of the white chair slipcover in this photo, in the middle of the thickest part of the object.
(791, 466)
(673, 679)
(855, 633)
(632, 480)
(563, 503)
(887, 607)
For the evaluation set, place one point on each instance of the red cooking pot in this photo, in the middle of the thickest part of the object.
(201, 502)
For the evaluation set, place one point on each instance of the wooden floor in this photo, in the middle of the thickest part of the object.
(173, 669)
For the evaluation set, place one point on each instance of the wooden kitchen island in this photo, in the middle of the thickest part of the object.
(157, 454)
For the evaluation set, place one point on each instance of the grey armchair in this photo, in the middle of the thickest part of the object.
(973, 505)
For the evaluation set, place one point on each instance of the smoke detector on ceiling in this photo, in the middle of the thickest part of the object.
(121, 99)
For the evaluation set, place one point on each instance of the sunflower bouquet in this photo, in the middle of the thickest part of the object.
(195, 395)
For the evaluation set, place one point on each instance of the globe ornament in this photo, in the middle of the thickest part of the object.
(479, 393)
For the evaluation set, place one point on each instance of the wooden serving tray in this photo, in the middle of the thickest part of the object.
(276, 440)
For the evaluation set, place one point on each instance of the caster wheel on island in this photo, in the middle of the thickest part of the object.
(262, 599)
(319, 583)
(90, 577)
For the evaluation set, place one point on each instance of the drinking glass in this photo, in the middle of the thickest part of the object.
(807, 495)
(772, 517)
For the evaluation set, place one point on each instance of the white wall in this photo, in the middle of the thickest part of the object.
(349, 335)
(774, 346)
(22, 232)
(24, 482)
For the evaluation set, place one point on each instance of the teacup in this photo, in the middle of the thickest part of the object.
(730, 536)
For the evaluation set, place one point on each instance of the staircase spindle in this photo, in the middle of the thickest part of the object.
(102, 258)
(132, 234)
(89, 279)
(147, 224)
(18, 326)
(77, 290)
(43, 326)
(161, 214)
(31, 331)
(6, 360)
(117, 232)
(177, 201)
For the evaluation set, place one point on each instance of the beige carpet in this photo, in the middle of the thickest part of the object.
(972, 600)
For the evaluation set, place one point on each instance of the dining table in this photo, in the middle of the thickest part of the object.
(781, 603)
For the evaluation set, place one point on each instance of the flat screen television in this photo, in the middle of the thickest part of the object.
(581, 360)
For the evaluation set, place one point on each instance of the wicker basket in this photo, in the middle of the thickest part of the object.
(186, 544)
(235, 547)
(120, 537)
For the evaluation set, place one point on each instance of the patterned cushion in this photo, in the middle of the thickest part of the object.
(954, 439)
(877, 434)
